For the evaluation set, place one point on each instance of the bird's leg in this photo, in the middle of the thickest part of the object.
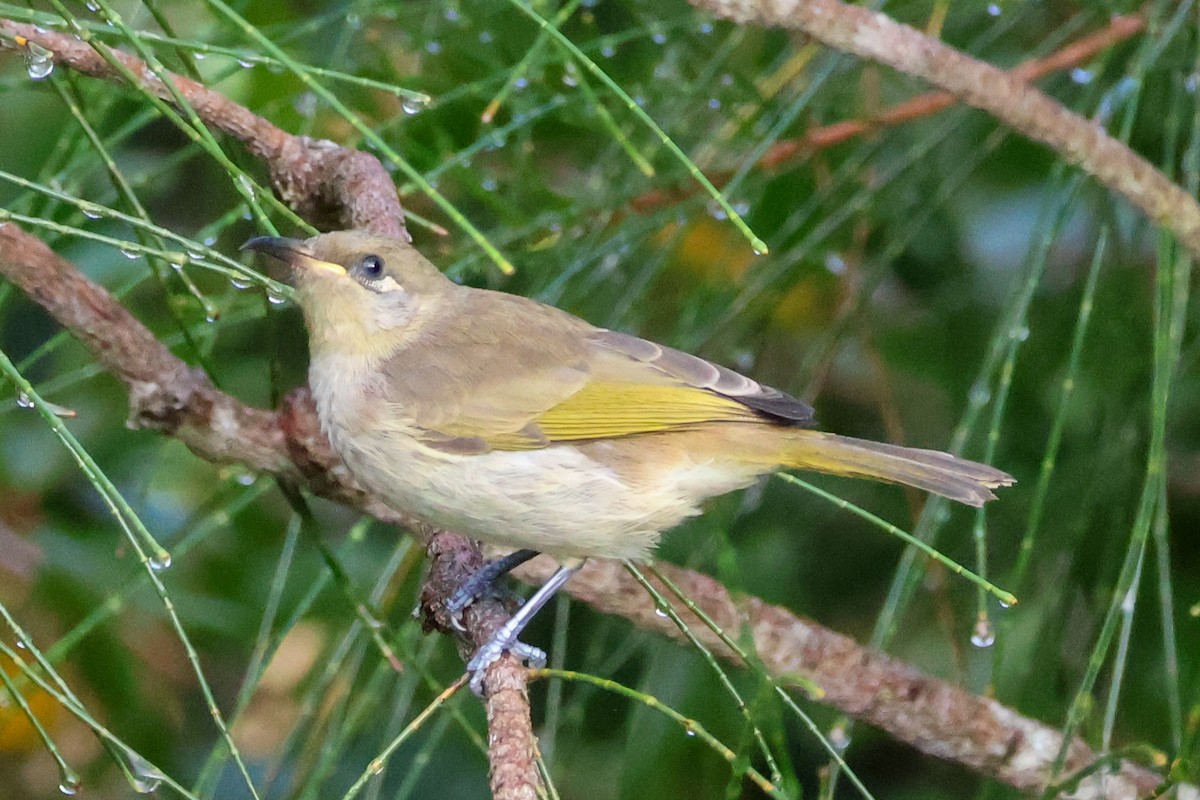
(482, 583)
(505, 638)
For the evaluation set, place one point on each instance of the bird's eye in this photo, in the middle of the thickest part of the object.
(371, 266)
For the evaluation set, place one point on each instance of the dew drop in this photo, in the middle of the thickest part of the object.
(451, 14)
(90, 211)
(246, 184)
(521, 83)
(128, 253)
(160, 561)
(274, 298)
(69, 785)
(689, 731)
(659, 37)
(984, 635)
(607, 51)
(980, 394)
(1020, 334)
(1082, 76)
(92, 6)
(569, 79)
(199, 56)
(305, 104)
(143, 776)
(39, 62)
(239, 283)
(660, 612)
(993, 9)
(21, 645)
(433, 47)
(24, 400)
(246, 478)
(835, 264)
(1192, 83)
(413, 105)
(488, 184)
(839, 738)
(485, 37)
(727, 79)
(705, 28)
(714, 103)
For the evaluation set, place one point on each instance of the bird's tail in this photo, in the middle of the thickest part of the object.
(941, 473)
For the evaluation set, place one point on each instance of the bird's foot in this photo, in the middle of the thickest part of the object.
(482, 584)
(505, 639)
(490, 653)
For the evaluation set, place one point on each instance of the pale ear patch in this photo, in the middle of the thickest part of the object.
(388, 284)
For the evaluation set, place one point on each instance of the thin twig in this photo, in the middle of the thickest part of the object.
(1006, 96)
(324, 180)
(932, 715)
(787, 152)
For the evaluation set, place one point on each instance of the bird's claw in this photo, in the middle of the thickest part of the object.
(471, 592)
(490, 653)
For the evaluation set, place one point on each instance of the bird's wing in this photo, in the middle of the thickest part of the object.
(535, 376)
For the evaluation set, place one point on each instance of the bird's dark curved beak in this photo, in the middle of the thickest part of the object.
(293, 252)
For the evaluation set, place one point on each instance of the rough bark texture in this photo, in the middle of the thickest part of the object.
(326, 182)
(877, 37)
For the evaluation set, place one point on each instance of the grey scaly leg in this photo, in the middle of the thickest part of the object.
(505, 638)
(480, 584)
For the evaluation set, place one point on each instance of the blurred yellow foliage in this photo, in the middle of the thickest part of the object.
(17, 734)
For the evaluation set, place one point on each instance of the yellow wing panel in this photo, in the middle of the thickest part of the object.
(602, 410)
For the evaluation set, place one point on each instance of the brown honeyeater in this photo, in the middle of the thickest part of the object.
(511, 421)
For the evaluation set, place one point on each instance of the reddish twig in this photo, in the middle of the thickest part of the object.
(1079, 52)
(786, 152)
(320, 179)
(168, 395)
(876, 37)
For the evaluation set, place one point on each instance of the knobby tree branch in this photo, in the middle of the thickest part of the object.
(787, 153)
(1006, 96)
(324, 181)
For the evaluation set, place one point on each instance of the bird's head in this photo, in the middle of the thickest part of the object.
(361, 293)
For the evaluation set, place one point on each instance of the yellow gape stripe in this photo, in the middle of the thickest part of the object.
(603, 410)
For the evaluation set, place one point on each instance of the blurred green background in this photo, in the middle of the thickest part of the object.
(924, 285)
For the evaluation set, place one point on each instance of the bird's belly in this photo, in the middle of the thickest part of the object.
(555, 500)
(561, 500)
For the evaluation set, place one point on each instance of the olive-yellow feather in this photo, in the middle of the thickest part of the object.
(517, 423)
